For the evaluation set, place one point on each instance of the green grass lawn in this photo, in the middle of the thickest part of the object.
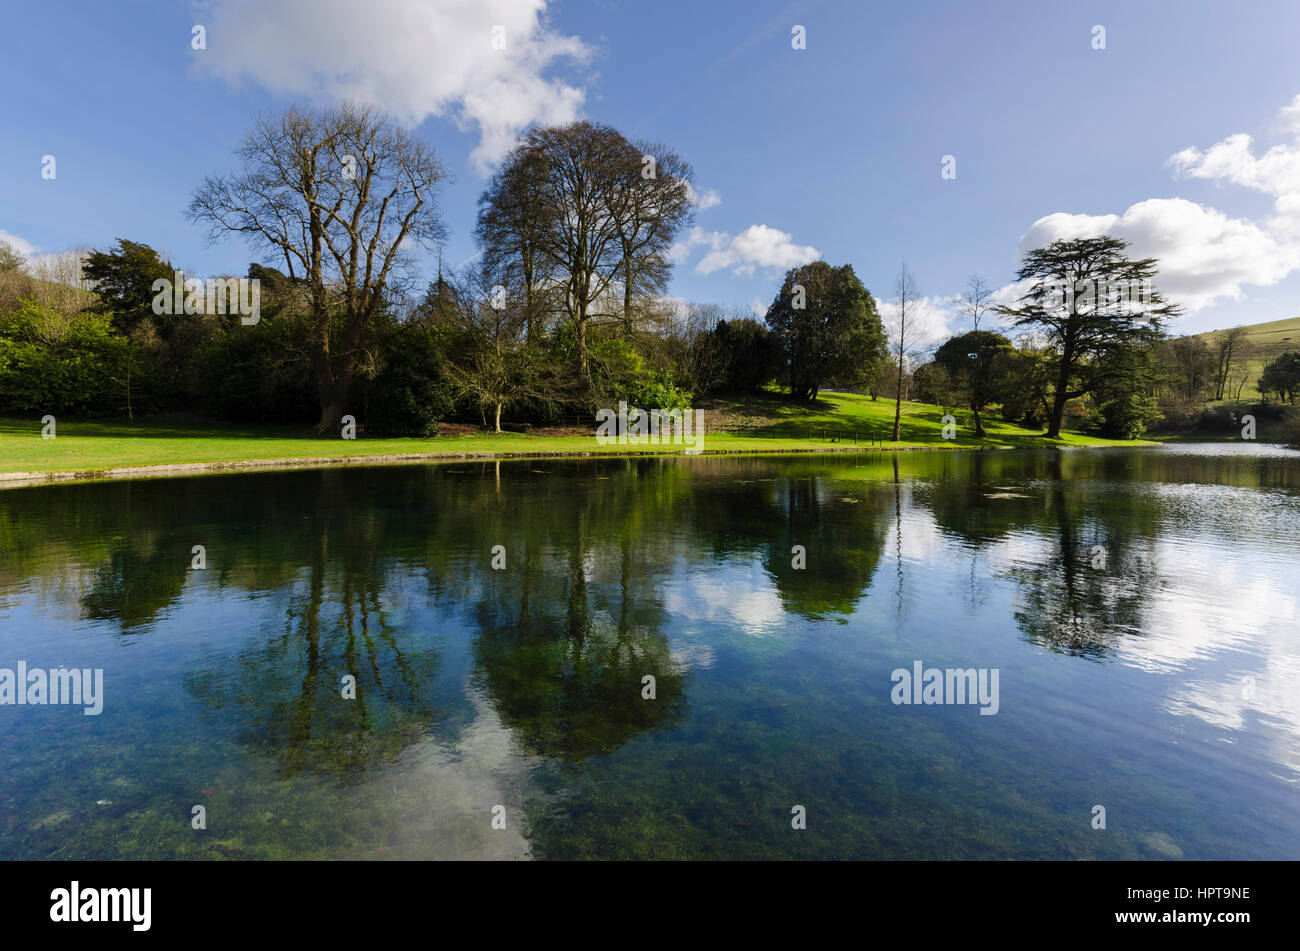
(83, 445)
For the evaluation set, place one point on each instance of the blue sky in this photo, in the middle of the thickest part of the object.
(834, 150)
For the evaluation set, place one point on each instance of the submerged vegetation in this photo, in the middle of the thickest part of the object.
(522, 684)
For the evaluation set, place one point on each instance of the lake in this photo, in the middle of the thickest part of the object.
(451, 660)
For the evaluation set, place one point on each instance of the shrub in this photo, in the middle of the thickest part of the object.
(659, 392)
(410, 393)
(256, 372)
(1123, 416)
(53, 363)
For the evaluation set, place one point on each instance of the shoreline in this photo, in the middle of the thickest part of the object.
(18, 480)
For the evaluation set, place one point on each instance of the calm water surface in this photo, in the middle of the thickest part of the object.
(1139, 606)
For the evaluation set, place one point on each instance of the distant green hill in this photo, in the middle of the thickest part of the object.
(1269, 339)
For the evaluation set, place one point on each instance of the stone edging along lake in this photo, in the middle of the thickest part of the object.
(17, 480)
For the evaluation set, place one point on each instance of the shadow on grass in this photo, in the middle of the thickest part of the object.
(163, 428)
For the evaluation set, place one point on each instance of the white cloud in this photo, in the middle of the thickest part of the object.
(702, 201)
(1206, 256)
(929, 320)
(413, 58)
(741, 596)
(23, 247)
(681, 250)
(757, 246)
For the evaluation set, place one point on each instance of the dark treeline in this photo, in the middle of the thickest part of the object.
(563, 311)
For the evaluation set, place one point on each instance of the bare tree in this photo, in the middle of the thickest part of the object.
(10, 259)
(59, 280)
(582, 212)
(1193, 369)
(15, 283)
(585, 167)
(335, 194)
(904, 333)
(513, 223)
(492, 362)
(976, 301)
(1227, 350)
(1239, 373)
(697, 348)
(650, 210)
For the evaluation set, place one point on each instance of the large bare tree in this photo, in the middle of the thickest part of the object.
(589, 216)
(337, 195)
(513, 224)
(585, 165)
(650, 211)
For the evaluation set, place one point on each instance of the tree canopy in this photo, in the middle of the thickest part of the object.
(828, 328)
(1092, 303)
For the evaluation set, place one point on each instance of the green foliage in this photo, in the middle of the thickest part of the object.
(828, 328)
(1124, 402)
(750, 353)
(410, 393)
(1281, 378)
(1023, 380)
(968, 358)
(50, 363)
(934, 383)
(1125, 415)
(256, 372)
(618, 371)
(1290, 429)
(659, 392)
(124, 279)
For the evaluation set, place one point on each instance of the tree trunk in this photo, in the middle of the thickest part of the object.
(498, 418)
(627, 298)
(1058, 404)
(334, 396)
(331, 414)
(1060, 397)
(581, 336)
(898, 400)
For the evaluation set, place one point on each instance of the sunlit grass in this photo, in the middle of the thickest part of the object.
(839, 421)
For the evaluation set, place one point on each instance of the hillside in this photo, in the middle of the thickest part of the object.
(1269, 339)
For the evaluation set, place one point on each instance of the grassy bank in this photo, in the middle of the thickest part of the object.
(837, 422)
(1268, 340)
